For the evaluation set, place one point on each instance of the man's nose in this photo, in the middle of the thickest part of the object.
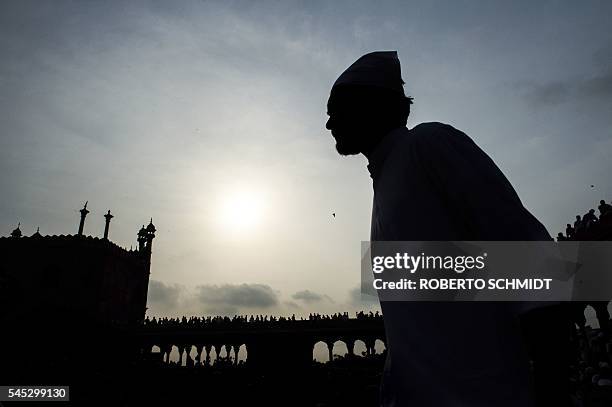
(328, 124)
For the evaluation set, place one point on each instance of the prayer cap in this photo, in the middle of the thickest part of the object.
(379, 69)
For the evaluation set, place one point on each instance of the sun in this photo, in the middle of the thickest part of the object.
(241, 210)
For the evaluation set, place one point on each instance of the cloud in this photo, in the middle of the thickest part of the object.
(357, 299)
(291, 304)
(310, 297)
(587, 89)
(550, 93)
(597, 87)
(221, 309)
(228, 299)
(163, 296)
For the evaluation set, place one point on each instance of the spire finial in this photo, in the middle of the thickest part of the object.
(108, 218)
(84, 213)
(17, 232)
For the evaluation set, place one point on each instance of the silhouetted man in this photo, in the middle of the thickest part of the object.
(578, 224)
(589, 218)
(569, 231)
(433, 183)
(604, 208)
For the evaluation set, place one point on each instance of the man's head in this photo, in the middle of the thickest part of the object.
(359, 116)
(366, 102)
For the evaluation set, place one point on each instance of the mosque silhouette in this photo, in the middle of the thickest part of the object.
(73, 311)
(76, 277)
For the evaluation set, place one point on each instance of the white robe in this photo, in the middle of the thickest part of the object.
(433, 183)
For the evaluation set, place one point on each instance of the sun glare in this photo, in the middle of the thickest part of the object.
(241, 210)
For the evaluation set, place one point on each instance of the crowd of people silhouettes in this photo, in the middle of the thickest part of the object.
(587, 224)
(239, 320)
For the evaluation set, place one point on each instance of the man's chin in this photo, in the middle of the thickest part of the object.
(343, 149)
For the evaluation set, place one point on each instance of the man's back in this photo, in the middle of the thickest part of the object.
(436, 184)
(432, 183)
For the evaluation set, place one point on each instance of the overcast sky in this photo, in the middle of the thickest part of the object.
(210, 118)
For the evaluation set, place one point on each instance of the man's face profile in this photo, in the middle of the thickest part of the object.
(360, 116)
(349, 121)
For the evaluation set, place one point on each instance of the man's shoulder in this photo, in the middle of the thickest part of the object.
(426, 140)
(436, 135)
(433, 129)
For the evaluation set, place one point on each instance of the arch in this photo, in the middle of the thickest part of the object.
(183, 354)
(224, 352)
(243, 353)
(320, 352)
(379, 347)
(596, 312)
(339, 349)
(174, 354)
(213, 356)
(232, 353)
(360, 348)
(192, 351)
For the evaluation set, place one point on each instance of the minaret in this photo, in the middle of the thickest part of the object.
(145, 240)
(150, 235)
(142, 236)
(17, 232)
(108, 218)
(84, 213)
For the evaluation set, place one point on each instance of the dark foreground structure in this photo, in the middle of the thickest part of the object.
(73, 313)
(285, 344)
